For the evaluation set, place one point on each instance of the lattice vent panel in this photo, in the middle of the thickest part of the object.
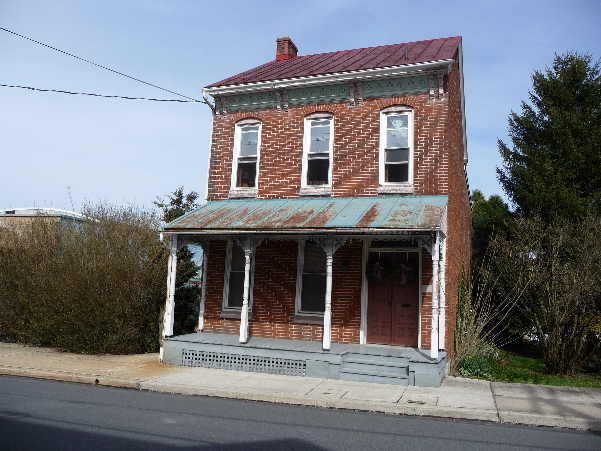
(240, 362)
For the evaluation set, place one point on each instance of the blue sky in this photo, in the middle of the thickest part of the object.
(131, 151)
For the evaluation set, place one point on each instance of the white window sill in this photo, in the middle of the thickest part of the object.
(396, 189)
(315, 191)
(243, 192)
(303, 318)
(234, 314)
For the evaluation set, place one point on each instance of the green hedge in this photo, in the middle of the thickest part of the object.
(96, 287)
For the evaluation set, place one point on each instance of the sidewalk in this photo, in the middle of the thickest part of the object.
(569, 407)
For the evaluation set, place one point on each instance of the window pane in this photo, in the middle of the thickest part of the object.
(397, 155)
(314, 259)
(320, 136)
(237, 263)
(317, 171)
(247, 173)
(314, 292)
(396, 173)
(249, 139)
(397, 131)
(236, 288)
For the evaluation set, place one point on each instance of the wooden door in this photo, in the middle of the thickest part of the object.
(393, 298)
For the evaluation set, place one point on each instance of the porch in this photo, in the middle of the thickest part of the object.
(349, 288)
(353, 362)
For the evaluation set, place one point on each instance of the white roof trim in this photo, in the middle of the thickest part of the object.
(35, 211)
(381, 72)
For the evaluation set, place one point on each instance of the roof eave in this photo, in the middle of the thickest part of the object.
(381, 72)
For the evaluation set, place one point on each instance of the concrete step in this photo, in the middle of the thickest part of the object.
(348, 376)
(401, 371)
(372, 359)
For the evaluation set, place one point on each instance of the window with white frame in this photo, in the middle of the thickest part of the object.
(233, 288)
(396, 146)
(247, 144)
(317, 150)
(311, 279)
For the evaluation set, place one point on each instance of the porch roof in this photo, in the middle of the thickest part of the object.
(302, 215)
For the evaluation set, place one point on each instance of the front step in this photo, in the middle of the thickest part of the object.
(375, 368)
(373, 377)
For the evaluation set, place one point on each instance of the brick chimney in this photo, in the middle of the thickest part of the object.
(285, 49)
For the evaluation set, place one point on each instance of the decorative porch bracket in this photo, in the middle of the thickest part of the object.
(330, 246)
(168, 314)
(248, 245)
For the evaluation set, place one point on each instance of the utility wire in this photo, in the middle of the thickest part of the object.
(60, 91)
(100, 66)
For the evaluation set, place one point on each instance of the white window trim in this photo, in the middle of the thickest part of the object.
(300, 261)
(316, 189)
(226, 280)
(396, 187)
(236, 191)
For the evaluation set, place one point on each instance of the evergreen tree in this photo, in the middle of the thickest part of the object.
(553, 166)
(489, 217)
(186, 296)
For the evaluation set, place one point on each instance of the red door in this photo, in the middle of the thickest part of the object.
(393, 298)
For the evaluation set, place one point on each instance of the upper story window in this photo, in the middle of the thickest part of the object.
(317, 151)
(396, 146)
(247, 144)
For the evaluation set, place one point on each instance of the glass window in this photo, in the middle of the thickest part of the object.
(246, 163)
(396, 150)
(313, 288)
(318, 154)
(236, 279)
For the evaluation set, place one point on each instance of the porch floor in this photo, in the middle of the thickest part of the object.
(283, 344)
(368, 363)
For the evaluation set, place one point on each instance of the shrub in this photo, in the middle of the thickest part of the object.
(96, 287)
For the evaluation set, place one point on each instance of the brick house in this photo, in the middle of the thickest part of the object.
(337, 216)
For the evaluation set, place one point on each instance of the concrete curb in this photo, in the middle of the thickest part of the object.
(70, 377)
(493, 416)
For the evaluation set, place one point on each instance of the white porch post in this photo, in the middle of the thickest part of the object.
(442, 329)
(203, 289)
(327, 314)
(434, 346)
(168, 314)
(329, 246)
(248, 245)
(244, 312)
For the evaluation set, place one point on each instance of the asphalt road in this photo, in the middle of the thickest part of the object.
(48, 415)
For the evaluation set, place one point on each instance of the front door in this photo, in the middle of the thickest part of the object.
(393, 298)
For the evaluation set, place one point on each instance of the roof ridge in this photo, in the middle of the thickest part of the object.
(375, 47)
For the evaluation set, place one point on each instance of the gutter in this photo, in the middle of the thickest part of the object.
(316, 80)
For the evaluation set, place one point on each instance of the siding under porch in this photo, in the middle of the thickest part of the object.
(367, 363)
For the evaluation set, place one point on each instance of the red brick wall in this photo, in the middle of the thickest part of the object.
(438, 169)
(459, 211)
(356, 138)
(275, 289)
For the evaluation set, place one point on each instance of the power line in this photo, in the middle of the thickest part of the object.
(94, 94)
(99, 65)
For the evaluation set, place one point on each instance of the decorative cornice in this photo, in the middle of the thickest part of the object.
(340, 77)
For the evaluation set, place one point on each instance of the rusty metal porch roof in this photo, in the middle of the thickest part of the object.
(297, 215)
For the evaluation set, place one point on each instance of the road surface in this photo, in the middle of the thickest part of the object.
(48, 415)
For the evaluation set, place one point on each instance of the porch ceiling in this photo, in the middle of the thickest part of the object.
(297, 215)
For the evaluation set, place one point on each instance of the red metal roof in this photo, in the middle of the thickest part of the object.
(349, 60)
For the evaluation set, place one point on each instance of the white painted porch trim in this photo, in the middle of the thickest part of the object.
(442, 296)
(364, 300)
(434, 346)
(327, 314)
(203, 289)
(169, 313)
